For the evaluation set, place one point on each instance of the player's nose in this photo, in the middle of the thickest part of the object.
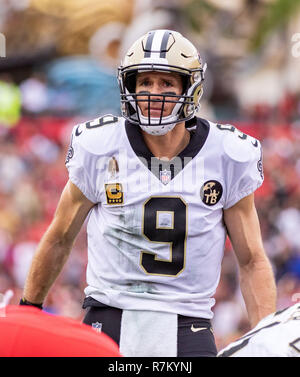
(156, 90)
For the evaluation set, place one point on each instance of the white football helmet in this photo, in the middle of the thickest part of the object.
(163, 51)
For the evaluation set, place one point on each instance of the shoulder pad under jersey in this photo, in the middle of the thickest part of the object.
(237, 145)
(98, 134)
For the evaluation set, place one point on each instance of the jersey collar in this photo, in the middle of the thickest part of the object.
(198, 128)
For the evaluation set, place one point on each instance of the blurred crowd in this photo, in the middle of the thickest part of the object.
(41, 102)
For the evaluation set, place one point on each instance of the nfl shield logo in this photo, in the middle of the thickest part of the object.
(165, 176)
(97, 326)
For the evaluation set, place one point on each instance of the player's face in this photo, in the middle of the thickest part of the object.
(157, 83)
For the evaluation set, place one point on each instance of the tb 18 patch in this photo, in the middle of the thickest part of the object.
(211, 192)
(114, 193)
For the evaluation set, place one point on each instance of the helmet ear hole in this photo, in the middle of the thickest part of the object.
(185, 83)
(130, 82)
(131, 110)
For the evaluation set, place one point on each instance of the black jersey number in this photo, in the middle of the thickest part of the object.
(241, 135)
(99, 122)
(165, 221)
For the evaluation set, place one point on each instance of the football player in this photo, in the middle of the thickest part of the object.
(277, 335)
(161, 189)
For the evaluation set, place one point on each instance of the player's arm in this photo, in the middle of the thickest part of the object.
(55, 245)
(256, 275)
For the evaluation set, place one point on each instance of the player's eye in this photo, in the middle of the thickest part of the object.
(144, 82)
(168, 84)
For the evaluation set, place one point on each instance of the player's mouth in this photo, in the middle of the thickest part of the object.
(155, 112)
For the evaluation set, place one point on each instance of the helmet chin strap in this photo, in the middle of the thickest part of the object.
(158, 130)
(155, 128)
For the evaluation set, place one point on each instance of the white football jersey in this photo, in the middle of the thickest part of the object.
(277, 335)
(156, 234)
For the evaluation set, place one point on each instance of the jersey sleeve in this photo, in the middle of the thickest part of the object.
(81, 168)
(244, 170)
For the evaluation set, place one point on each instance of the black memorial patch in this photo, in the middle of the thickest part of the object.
(211, 192)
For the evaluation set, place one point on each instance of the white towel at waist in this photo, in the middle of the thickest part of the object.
(148, 334)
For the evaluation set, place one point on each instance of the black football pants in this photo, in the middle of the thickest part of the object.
(199, 343)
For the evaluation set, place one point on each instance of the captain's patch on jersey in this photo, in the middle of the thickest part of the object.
(211, 192)
(114, 193)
